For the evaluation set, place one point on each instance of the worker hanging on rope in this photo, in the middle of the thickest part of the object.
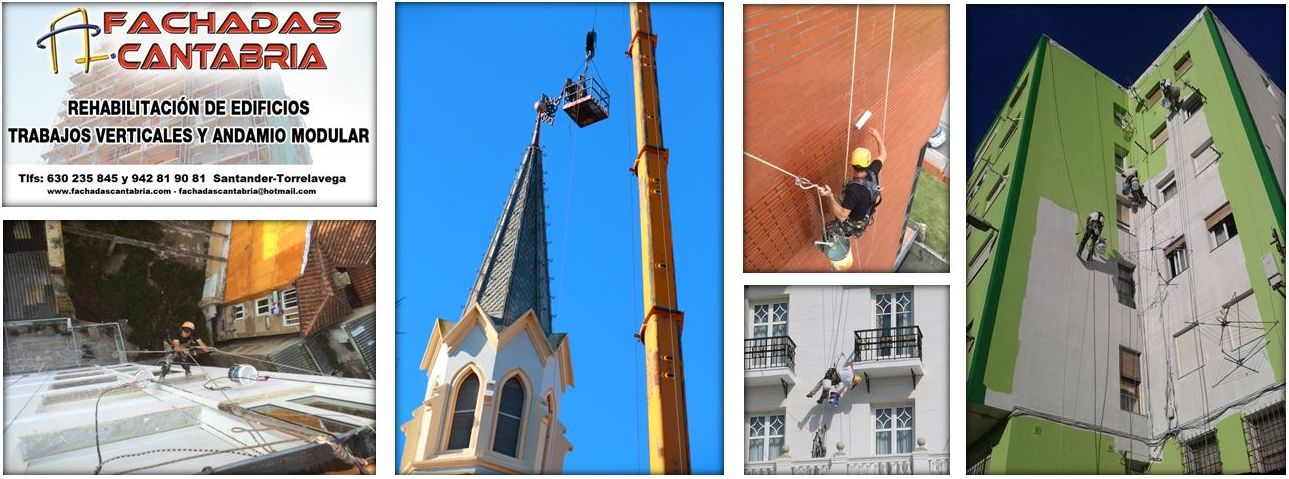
(182, 343)
(1172, 95)
(830, 382)
(861, 195)
(1132, 186)
(1092, 233)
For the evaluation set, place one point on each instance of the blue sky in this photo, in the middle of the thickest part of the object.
(467, 77)
(1120, 41)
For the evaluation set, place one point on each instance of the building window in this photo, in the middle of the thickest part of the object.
(997, 189)
(290, 308)
(1126, 285)
(1019, 89)
(510, 418)
(1011, 131)
(1186, 343)
(893, 430)
(1177, 258)
(1264, 431)
(238, 312)
(22, 230)
(263, 306)
(1167, 187)
(1120, 157)
(1124, 218)
(1121, 117)
(1183, 65)
(764, 438)
(463, 407)
(289, 299)
(894, 313)
(1271, 88)
(770, 320)
(1221, 225)
(1159, 136)
(1129, 379)
(1202, 456)
(1154, 95)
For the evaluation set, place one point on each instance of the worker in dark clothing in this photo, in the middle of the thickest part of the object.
(831, 380)
(1091, 232)
(182, 343)
(1172, 95)
(862, 194)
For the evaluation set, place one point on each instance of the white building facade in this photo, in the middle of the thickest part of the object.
(889, 346)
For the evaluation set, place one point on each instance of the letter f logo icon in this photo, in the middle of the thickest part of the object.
(85, 26)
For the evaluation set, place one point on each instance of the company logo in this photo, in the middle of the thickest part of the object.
(87, 30)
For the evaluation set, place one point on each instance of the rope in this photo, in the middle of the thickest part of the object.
(204, 453)
(798, 180)
(850, 106)
(886, 101)
(98, 449)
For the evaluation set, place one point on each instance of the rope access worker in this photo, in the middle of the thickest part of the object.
(182, 342)
(830, 380)
(1132, 186)
(862, 194)
(1172, 95)
(1091, 231)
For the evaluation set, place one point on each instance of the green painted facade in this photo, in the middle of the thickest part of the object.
(1056, 138)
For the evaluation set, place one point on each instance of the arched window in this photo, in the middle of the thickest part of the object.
(463, 413)
(509, 418)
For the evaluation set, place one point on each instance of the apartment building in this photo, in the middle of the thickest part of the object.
(1161, 349)
(889, 348)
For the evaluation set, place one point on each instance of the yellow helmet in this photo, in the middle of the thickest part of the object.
(861, 157)
(188, 325)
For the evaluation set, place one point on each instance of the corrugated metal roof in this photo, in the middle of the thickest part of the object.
(514, 277)
(28, 287)
(363, 333)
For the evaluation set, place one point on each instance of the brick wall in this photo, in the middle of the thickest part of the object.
(797, 79)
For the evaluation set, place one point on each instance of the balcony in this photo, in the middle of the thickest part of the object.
(919, 462)
(769, 361)
(888, 352)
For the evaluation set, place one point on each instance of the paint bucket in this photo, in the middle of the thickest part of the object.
(243, 374)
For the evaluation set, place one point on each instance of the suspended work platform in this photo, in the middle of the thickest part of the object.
(585, 101)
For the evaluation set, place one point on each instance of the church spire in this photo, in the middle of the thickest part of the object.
(514, 277)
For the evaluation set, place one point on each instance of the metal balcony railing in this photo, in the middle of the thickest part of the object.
(771, 352)
(888, 343)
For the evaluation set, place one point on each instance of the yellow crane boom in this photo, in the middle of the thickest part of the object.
(663, 320)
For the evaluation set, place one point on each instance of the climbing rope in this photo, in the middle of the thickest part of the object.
(798, 180)
(202, 453)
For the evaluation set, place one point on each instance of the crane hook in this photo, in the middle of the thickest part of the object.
(590, 45)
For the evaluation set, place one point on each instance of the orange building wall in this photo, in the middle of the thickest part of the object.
(263, 256)
(797, 78)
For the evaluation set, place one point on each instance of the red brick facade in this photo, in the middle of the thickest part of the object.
(797, 71)
(336, 245)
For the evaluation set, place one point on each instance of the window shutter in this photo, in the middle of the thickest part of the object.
(509, 418)
(1175, 245)
(1217, 216)
(463, 414)
(1130, 364)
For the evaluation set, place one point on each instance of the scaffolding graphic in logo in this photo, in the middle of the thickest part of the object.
(87, 31)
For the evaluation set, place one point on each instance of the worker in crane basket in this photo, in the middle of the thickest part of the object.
(862, 194)
(182, 343)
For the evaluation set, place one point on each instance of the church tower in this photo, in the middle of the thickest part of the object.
(496, 375)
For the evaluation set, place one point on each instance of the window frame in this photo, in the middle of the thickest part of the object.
(766, 437)
(771, 319)
(1183, 65)
(1130, 381)
(1166, 184)
(268, 306)
(1189, 452)
(894, 429)
(1224, 219)
(451, 413)
(237, 312)
(521, 420)
(889, 351)
(1159, 137)
(1176, 254)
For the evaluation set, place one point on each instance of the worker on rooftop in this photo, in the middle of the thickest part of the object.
(182, 342)
(1092, 232)
(862, 194)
